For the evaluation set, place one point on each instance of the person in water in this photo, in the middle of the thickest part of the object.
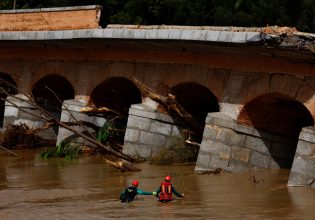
(166, 190)
(130, 193)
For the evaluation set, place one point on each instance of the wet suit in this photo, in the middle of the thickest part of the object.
(164, 194)
(129, 194)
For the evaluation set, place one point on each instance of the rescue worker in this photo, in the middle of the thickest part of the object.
(130, 193)
(166, 190)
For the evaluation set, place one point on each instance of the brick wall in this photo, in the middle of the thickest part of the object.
(68, 18)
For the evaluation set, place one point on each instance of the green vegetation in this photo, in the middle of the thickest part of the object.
(104, 132)
(65, 150)
(259, 13)
(70, 150)
(179, 152)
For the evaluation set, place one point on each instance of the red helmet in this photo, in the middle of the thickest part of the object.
(135, 183)
(168, 178)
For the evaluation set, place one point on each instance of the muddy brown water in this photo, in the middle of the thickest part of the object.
(32, 188)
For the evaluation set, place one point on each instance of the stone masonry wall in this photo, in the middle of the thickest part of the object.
(148, 131)
(235, 147)
(15, 116)
(303, 168)
(74, 106)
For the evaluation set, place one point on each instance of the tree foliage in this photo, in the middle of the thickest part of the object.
(297, 13)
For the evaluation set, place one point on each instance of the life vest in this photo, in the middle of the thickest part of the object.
(166, 192)
(129, 194)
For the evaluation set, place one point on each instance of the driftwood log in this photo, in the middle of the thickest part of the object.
(171, 106)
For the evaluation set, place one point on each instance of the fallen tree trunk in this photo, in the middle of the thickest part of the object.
(102, 110)
(121, 165)
(171, 106)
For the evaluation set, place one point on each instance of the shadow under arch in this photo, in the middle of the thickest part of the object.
(197, 100)
(117, 93)
(281, 115)
(47, 99)
(7, 87)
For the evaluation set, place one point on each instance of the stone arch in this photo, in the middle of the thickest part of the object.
(47, 99)
(118, 93)
(196, 99)
(282, 117)
(7, 86)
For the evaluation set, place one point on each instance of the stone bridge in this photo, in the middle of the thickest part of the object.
(252, 88)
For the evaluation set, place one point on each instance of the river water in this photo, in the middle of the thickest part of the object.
(87, 188)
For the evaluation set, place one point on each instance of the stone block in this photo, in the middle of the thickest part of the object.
(29, 114)
(187, 35)
(149, 138)
(138, 123)
(298, 179)
(144, 114)
(231, 138)
(108, 33)
(240, 154)
(239, 37)
(225, 36)
(151, 34)
(218, 163)
(130, 148)
(253, 37)
(163, 34)
(139, 34)
(98, 121)
(305, 148)
(132, 135)
(11, 111)
(161, 128)
(244, 129)
(118, 33)
(200, 35)
(210, 132)
(258, 144)
(143, 151)
(51, 35)
(10, 36)
(40, 35)
(213, 36)
(303, 166)
(259, 160)
(28, 35)
(98, 33)
(67, 34)
(309, 137)
(216, 148)
(174, 34)
(164, 117)
(236, 166)
(203, 160)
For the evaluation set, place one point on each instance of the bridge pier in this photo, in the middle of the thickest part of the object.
(303, 167)
(148, 131)
(235, 147)
(73, 106)
(15, 116)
